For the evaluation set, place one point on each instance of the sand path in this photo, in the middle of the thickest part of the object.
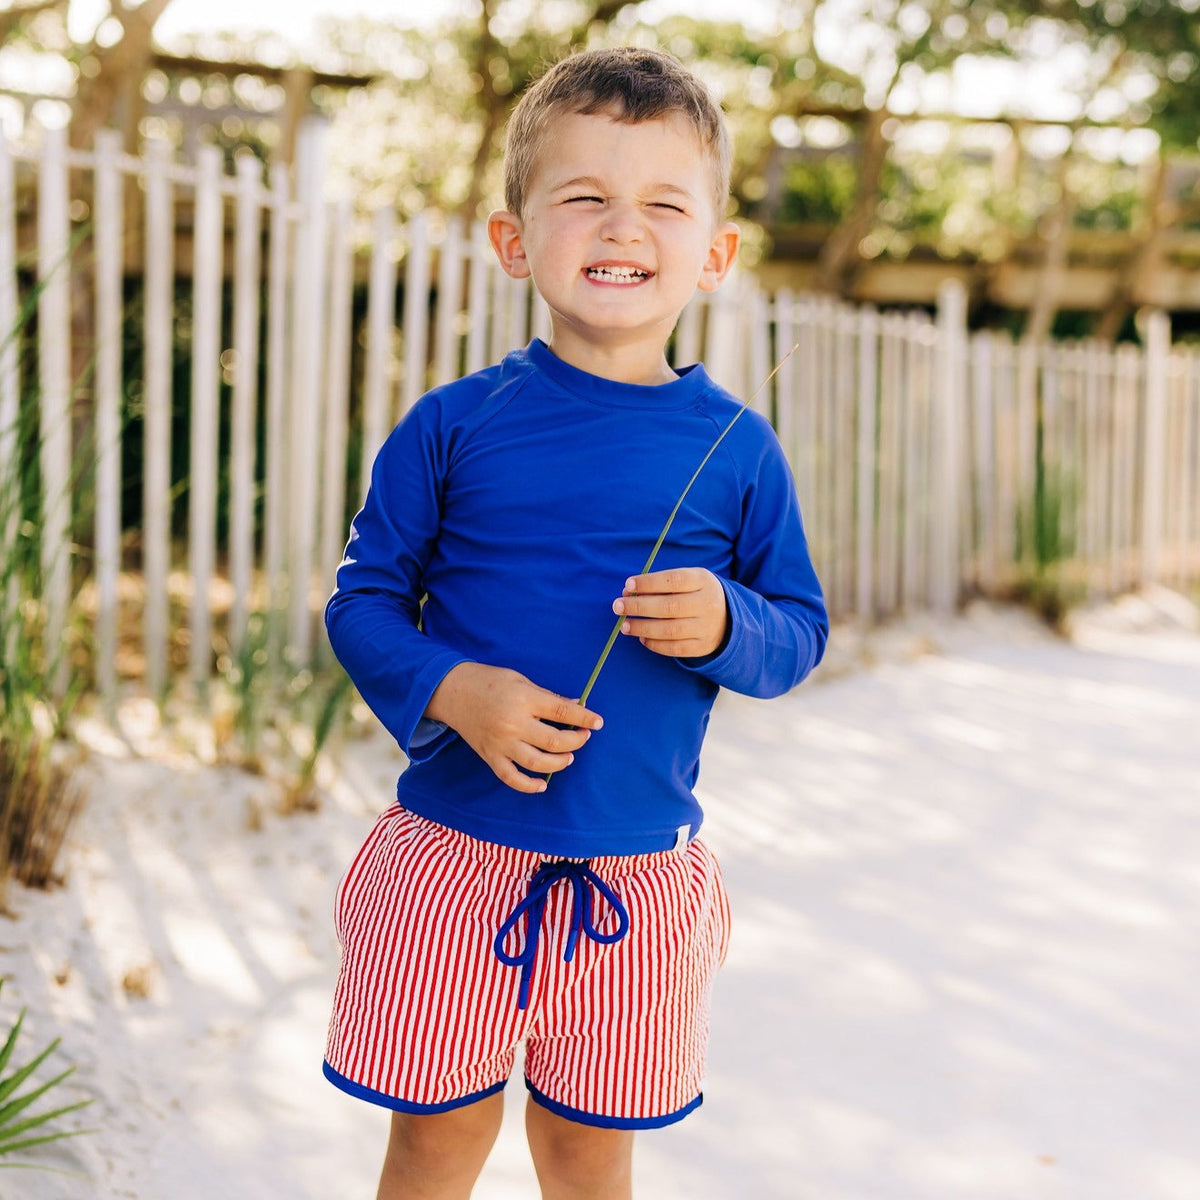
(966, 960)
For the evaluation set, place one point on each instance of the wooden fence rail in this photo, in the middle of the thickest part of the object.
(931, 463)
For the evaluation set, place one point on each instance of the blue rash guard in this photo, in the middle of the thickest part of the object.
(515, 503)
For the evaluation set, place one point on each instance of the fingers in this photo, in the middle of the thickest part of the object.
(680, 612)
(562, 711)
(529, 758)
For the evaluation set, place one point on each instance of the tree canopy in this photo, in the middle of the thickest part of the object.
(864, 129)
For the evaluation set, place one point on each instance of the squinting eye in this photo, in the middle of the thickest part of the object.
(669, 207)
(584, 200)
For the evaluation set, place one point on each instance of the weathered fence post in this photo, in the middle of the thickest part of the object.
(54, 380)
(10, 393)
(109, 214)
(208, 247)
(1154, 447)
(304, 464)
(415, 321)
(276, 468)
(158, 325)
(946, 445)
(381, 320)
(247, 254)
(335, 435)
(866, 507)
(449, 302)
(477, 297)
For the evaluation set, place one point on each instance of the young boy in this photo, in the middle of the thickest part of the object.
(540, 881)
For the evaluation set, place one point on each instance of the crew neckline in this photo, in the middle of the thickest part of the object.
(681, 392)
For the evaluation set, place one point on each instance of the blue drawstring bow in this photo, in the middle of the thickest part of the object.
(533, 907)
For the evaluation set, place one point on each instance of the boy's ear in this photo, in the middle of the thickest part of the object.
(504, 232)
(721, 254)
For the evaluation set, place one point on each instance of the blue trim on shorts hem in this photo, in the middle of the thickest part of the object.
(602, 1122)
(405, 1106)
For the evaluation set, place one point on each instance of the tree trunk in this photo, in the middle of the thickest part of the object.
(122, 66)
(840, 257)
(492, 110)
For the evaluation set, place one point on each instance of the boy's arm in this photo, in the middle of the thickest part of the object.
(759, 632)
(503, 717)
(373, 620)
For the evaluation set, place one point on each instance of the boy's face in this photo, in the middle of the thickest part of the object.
(618, 231)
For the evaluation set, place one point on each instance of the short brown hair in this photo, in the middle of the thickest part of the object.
(634, 85)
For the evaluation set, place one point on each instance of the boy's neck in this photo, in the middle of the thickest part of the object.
(641, 363)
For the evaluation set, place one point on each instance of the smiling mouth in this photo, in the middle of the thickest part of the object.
(617, 274)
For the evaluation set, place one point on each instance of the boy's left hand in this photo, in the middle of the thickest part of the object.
(680, 613)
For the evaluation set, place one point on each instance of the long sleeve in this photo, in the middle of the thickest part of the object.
(778, 625)
(373, 616)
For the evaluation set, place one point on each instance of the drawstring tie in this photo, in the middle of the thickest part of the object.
(533, 907)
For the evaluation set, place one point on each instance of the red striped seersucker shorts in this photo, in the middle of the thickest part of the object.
(428, 1018)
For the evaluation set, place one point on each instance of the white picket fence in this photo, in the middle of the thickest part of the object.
(915, 446)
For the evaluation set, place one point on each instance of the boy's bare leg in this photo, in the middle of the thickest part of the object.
(439, 1157)
(579, 1162)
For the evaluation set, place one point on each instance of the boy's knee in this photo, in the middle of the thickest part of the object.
(443, 1144)
(582, 1159)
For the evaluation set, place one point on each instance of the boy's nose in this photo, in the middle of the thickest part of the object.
(621, 225)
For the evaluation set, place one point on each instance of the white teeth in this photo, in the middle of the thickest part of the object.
(617, 274)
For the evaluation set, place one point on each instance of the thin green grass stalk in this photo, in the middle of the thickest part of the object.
(36, 1130)
(662, 537)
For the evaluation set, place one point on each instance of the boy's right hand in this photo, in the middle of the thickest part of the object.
(504, 718)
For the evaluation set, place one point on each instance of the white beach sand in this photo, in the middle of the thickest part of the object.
(965, 868)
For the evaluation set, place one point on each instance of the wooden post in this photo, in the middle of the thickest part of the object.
(804, 330)
(918, 510)
(54, 379)
(337, 398)
(1090, 488)
(449, 302)
(1124, 483)
(1028, 372)
(758, 357)
(721, 349)
(381, 324)
(1007, 503)
(247, 270)
(276, 468)
(841, 459)
(109, 216)
(1189, 502)
(983, 474)
(946, 446)
(891, 398)
(867, 461)
(415, 322)
(824, 385)
(1154, 447)
(158, 325)
(10, 393)
(785, 381)
(308, 286)
(477, 298)
(206, 350)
